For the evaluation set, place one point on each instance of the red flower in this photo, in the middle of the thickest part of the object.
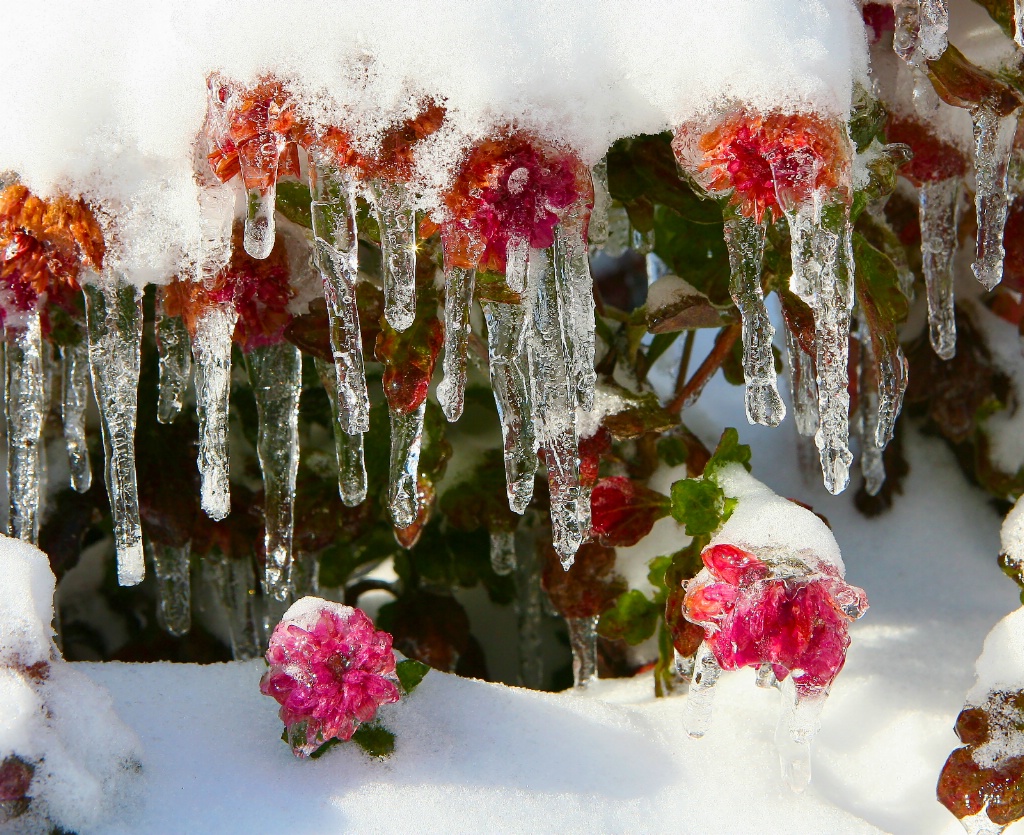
(765, 163)
(623, 512)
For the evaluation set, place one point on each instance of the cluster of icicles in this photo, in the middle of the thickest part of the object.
(518, 206)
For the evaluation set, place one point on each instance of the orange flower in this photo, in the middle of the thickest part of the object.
(766, 163)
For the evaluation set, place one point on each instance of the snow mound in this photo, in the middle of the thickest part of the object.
(1001, 663)
(65, 757)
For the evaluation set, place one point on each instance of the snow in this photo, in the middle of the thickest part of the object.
(109, 103)
(26, 604)
(1001, 664)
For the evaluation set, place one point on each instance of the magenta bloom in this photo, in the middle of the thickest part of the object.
(330, 670)
(787, 613)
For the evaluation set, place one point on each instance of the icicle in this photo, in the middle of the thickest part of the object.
(337, 258)
(656, 268)
(236, 583)
(306, 574)
(172, 344)
(576, 292)
(510, 379)
(275, 374)
(211, 350)
(699, 698)
(554, 405)
(517, 256)
(619, 237)
(113, 314)
(921, 27)
(503, 552)
(766, 677)
(993, 142)
(803, 387)
(530, 599)
(583, 640)
(458, 300)
(396, 218)
(349, 448)
(939, 209)
(798, 723)
(744, 238)
(74, 402)
(26, 409)
(260, 200)
(1018, 23)
(871, 464)
(174, 603)
(406, 441)
(823, 276)
(598, 230)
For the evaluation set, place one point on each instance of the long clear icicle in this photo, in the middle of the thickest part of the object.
(172, 344)
(939, 211)
(576, 290)
(396, 218)
(803, 386)
(921, 28)
(458, 300)
(554, 405)
(406, 443)
(260, 203)
(26, 408)
(174, 592)
(583, 640)
(510, 380)
(337, 258)
(823, 277)
(349, 448)
(211, 350)
(275, 374)
(74, 403)
(744, 238)
(113, 314)
(798, 724)
(871, 463)
(700, 697)
(993, 143)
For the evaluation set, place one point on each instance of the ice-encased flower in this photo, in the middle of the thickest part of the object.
(330, 671)
(792, 612)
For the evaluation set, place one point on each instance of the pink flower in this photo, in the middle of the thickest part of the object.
(784, 612)
(330, 671)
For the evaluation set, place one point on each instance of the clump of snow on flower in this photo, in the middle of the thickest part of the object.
(108, 104)
(330, 671)
(1001, 663)
(56, 725)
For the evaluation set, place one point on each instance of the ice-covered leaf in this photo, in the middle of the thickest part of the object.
(728, 451)
(964, 84)
(633, 618)
(674, 305)
(624, 511)
(640, 413)
(700, 505)
(410, 673)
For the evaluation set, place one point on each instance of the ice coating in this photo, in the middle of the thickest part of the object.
(939, 209)
(559, 80)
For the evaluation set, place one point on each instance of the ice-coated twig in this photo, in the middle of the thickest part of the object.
(348, 448)
(337, 257)
(406, 443)
(174, 592)
(939, 211)
(396, 218)
(172, 344)
(275, 374)
(583, 640)
(576, 292)
(700, 697)
(113, 313)
(921, 27)
(211, 350)
(25, 410)
(744, 238)
(798, 724)
(458, 300)
(554, 405)
(803, 386)
(74, 403)
(503, 552)
(510, 380)
(993, 142)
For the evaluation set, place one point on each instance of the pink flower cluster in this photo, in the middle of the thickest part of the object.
(787, 613)
(329, 675)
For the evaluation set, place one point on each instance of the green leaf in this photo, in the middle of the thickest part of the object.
(656, 572)
(633, 618)
(728, 451)
(323, 749)
(672, 450)
(375, 740)
(410, 673)
(700, 505)
(293, 201)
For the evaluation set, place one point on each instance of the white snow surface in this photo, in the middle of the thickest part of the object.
(26, 604)
(1001, 664)
(106, 98)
